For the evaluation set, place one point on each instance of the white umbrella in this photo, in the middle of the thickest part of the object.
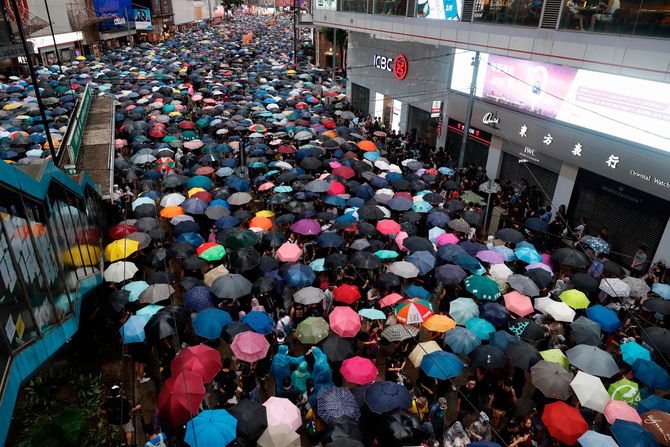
(615, 287)
(590, 391)
(120, 271)
(561, 311)
(309, 295)
(279, 436)
(542, 303)
(421, 350)
(404, 269)
(500, 271)
(281, 411)
(173, 199)
(384, 195)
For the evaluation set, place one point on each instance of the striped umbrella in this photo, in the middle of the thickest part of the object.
(413, 311)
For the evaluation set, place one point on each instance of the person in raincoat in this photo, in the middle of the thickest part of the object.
(281, 365)
(322, 374)
(299, 378)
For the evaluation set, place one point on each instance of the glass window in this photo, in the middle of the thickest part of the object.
(391, 7)
(18, 234)
(354, 5)
(62, 249)
(509, 12)
(86, 233)
(651, 18)
(51, 265)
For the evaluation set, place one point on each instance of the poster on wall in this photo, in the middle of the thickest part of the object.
(439, 9)
(117, 11)
(327, 5)
(143, 19)
(632, 109)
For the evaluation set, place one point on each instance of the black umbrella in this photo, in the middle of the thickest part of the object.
(414, 243)
(193, 262)
(371, 213)
(658, 305)
(584, 282)
(160, 326)
(244, 259)
(251, 418)
(336, 260)
(275, 239)
(658, 338)
(161, 277)
(570, 257)
(509, 235)
(540, 277)
(387, 280)
(264, 284)
(118, 300)
(523, 355)
(158, 258)
(234, 328)
(613, 268)
(398, 428)
(267, 263)
(189, 282)
(526, 329)
(536, 224)
(367, 229)
(472, 218)
(336, 348)
(365, 260)
(585, 332)
(488, 357)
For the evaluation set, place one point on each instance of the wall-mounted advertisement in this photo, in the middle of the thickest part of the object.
(327, 5)
(143, 19)
(439, 9)
(632, 109)
(117, 13)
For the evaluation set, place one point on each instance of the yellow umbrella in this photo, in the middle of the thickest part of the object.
(575, 299)
(556, 356)
(422, 349)
(88, 255)
(193, 191)
(121, 249)
(265, 213)
(12, 106)
(80, 58)
(439, 323)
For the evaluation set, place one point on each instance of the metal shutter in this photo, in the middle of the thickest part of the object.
(551, 14)
(468, 6)
(360, 98)
(544, 179)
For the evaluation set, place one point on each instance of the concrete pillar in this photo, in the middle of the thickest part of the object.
(373, 103)
(442, 137)
(494, 159)
(564, 186)
(663, 249)
(404, 117)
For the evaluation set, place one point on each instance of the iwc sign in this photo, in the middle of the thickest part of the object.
(398, 65)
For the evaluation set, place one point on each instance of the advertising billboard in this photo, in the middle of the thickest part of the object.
(439, 9)
(633, 109)
(142, 19)
(115, 13)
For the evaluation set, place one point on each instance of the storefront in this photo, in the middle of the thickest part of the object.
(400, 79)
(69, 47)
(477, 146)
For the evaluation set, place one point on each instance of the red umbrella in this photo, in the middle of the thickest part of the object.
(359, 370)
(250, 346)
(200, 359)
(390, 300)
(336, 188)
(157, 132)
(187, 125)
(345, 321)
(329, 124)
(286, 149)
(564, 422)
(344, 171)
(119, 231)
(180, 398)
(205, 196)
(347, 293)
(388, 226)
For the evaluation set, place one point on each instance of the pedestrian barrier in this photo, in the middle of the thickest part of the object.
(75, 134)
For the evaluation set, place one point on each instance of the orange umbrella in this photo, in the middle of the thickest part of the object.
(247, 38)
(367, 145)
(439, 323)
(330, 133)
(260, 222)
(172, 211)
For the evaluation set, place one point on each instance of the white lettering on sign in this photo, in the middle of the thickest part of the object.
(119, 21)
(383, 62)
(612, 161)
(529, 151)
(650, 178)
(523, 131)
(490, 119)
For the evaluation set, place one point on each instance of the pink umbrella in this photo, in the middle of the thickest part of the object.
(345, 321)
(618, 409)
(265, 186)
(518, 303)
(540, 265)
(447, 238)
(359, 370)
(399, 238)
(307, 227)
(289, 252)
(281, 411)
(250, 346)
(546, 259)
(390, 300)
(490, 256)
(388, 227)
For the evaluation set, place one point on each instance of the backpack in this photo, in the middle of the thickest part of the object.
(158, 441)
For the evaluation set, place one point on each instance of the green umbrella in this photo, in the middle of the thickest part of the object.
(482, 287)
(215, 252)
(189, 135)
(556, 356)
(575, 299)
(312, 330)
(469, 196)
(241, 239)
(168, 138)
(626, 391)
(202, 122)
(386, 254)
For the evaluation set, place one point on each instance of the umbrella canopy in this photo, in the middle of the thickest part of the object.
(590, 391)
(461, 340)
(251, 418)
(564, 422)
(180, 397)
(518, 303)
(384, 397)
(344, 321)
(279, 436)
(439, 323)
(281, 411)
(482, 287)
(250, 346)
(620, 410)
(551, 379)
(441, 365)
(211, 427)
(594, 439)
(632, 434)
(463, 309)
(200, 359)
(312, 330)
(592, 360)
(335, 403)
(359, 370)
(605, 317)
(413, 311)
(658, 423)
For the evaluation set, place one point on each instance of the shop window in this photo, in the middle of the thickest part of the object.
(476, 153)
(509, 12)
(360, 99)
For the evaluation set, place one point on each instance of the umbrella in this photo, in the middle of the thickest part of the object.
(120, 249)
(399, 332)
(564, 422)
(523, 284)
(359, 370)
(344, 321)
(384, 397)
(250, 346)
(404, 269)
(632, 434)
(657, 305)
(662, 290)
(518, 303)
(251, 419)
(132, 330)
(658, 338)
(388, 227)
(631, 351)
(592, 360)
(209, 323)
(584, 282)
(615, 287)
(653, 402)
(298, 275)
(199, 359)
(373, 314)
(590, 391)
(480, 327)
(551, 379)
(312, 330)
(231, 286)
(606, 318)
(346, 293)
(413, 311)
(556, 356)
(335, 403)
(597, 244)
(441, 365)
(279, 436)
(120, 271)
(637, 287)
(575, 299)
(180, 397)
(522, 355)
(281, 411)
(594, 439)
(500, 339)
(197, 298)
(449, 274)
(461, 341)
(490, 256)
(651, 373)
(482, 287)
(259, 321)
(625, 390)
(336, 348)
(422, 349)
(212, 428)
(620, 410)
(463, 309)
(488, 357)
(289, 252)
(509, 235)
(570, 257)
(527, 255)
(585, 331)
(658, 423)
(526, 329)
(309, 295)
(306, 227)
(437, 323)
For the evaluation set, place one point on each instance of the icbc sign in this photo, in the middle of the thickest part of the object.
(397, 66)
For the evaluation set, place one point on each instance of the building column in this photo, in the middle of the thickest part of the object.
(442, 137)
(373, 103)
(494, 159)
(663, 249)
(564, 185)
(404, 117)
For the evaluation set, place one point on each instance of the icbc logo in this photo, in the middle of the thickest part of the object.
(397, 66)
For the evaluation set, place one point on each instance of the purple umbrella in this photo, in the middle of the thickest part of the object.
(306, 227)
(490, 256)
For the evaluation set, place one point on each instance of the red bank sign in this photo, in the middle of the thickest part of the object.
(398, 65)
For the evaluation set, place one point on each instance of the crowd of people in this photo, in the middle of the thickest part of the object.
(283, 271)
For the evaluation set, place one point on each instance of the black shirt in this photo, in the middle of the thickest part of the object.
(470, 398)
(502, 400)
(117, 409)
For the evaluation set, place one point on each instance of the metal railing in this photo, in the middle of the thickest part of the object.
(75, 135)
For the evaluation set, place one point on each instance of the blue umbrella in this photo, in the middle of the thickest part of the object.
(211, 428)
(594, 439)
(423, 260)
(186, 226)
(462, 309)
(383, 397)
(631, 434)
(199, 181)
(414, 291)
(135, 288)
(495, 313)
(500, 339)
(259, 321)
(298, 275)
(194, 206)
(191, 238)
(606, 318)
(132, 330)
(447, 252)
(198, 298)
(441, 365)
(527, 255)
(329, 240)
(507, 252)
(227, 222)
(597, 244)
(149, 310)
(372, 314)
(467, 262)
(337, 402)
(318, 265)
(631, 351)
(662, 290)
(334, 201)
(461, 340)
(209, 323)
(480, 327)
(653, 402)
(438, 219)
(651, 373)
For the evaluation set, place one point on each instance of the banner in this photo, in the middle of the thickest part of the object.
(440, 9)
(143, 19)
(116, 13)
